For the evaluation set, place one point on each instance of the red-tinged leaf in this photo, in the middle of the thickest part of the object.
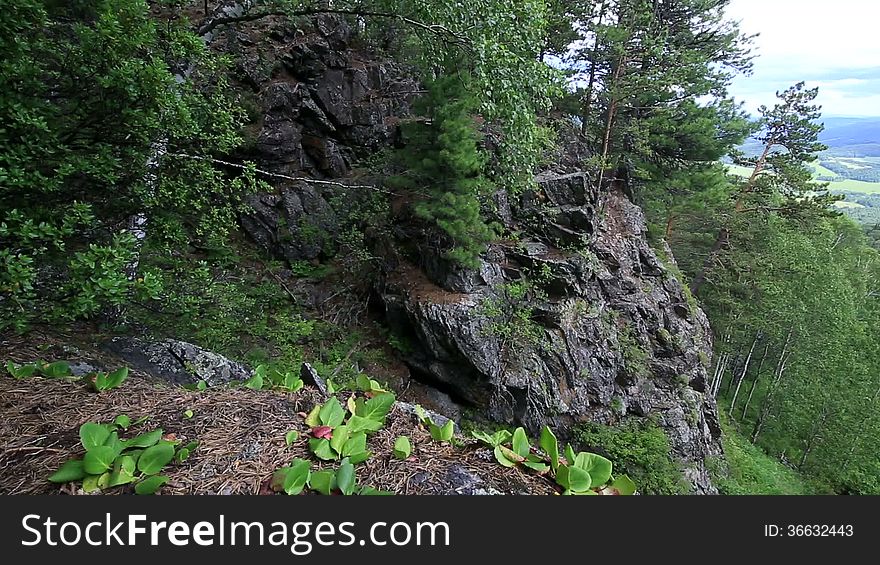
(609, 491)
(323, 432)
(266, 488)
(170, 437)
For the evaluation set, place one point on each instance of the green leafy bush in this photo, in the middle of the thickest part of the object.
(641, 450)
(111, 461)
(89, 96)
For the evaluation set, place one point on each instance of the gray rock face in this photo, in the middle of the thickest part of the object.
(324, 105)
(178, 362)
(600, 332)
(297, 224)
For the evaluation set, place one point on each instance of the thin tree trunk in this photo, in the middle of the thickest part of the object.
(767, 404)
(670, 226)
(755, 382)
(742, 375)
(814, 435)
(724, 233)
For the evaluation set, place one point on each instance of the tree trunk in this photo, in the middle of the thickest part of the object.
(767, 404)
(742, 375)
(724, 233)
(755, 382)
(670, 226)
(814, 436)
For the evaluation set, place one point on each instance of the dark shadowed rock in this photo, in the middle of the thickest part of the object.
(297, 224)
(178, 362)
(310, 377)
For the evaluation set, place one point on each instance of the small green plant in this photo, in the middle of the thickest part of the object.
(298, 476)
(368, 386)
(519, 452)
(331, 439)
(108, 381)
(510, 312)
(402, 448)
(576, 473)
(54, 370)
(267, 377)
(290, 437)
(111, 461)
(443, 433)
(61, 370)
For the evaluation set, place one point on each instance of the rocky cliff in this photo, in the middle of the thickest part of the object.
(574, 320)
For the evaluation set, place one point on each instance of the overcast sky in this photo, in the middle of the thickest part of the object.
(833, 44)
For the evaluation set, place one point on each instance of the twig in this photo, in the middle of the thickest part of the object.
(275, 175)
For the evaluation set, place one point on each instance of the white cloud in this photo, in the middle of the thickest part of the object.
(828, 44)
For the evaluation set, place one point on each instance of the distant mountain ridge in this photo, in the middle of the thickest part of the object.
(845, 137)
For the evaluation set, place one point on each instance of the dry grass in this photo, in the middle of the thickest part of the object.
(241, 434)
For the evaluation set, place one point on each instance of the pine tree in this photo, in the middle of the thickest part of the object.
(444, 164)
(781, 180)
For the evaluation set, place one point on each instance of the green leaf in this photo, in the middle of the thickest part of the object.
(201, 386)
(357, 443)
(323, 482)
(623, 485)
(123, 471)
(154, 459)
(297, 477)
(292, 382)
(377, 407)
(313, 420)
(521, 443)
(569, 454)
(597, 466)
(122, 421)
(340, 436)
(322, 450)
(98, 459)
(360, 424)
(21, 371)
(573, 478)
(501, 455)
(90, 483)
(444, 433)
(360, 457)
(117, 377)
(93, 435)
(402, 448)
(188, 414)
(363, 383)
(345, 477)
(291, 437)
(145, 440)
(332, 414)
(255, 382)
(115, 443)
(150, 485)
(56, 370)
(535, 464)
(550, 446)
(73, 470)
